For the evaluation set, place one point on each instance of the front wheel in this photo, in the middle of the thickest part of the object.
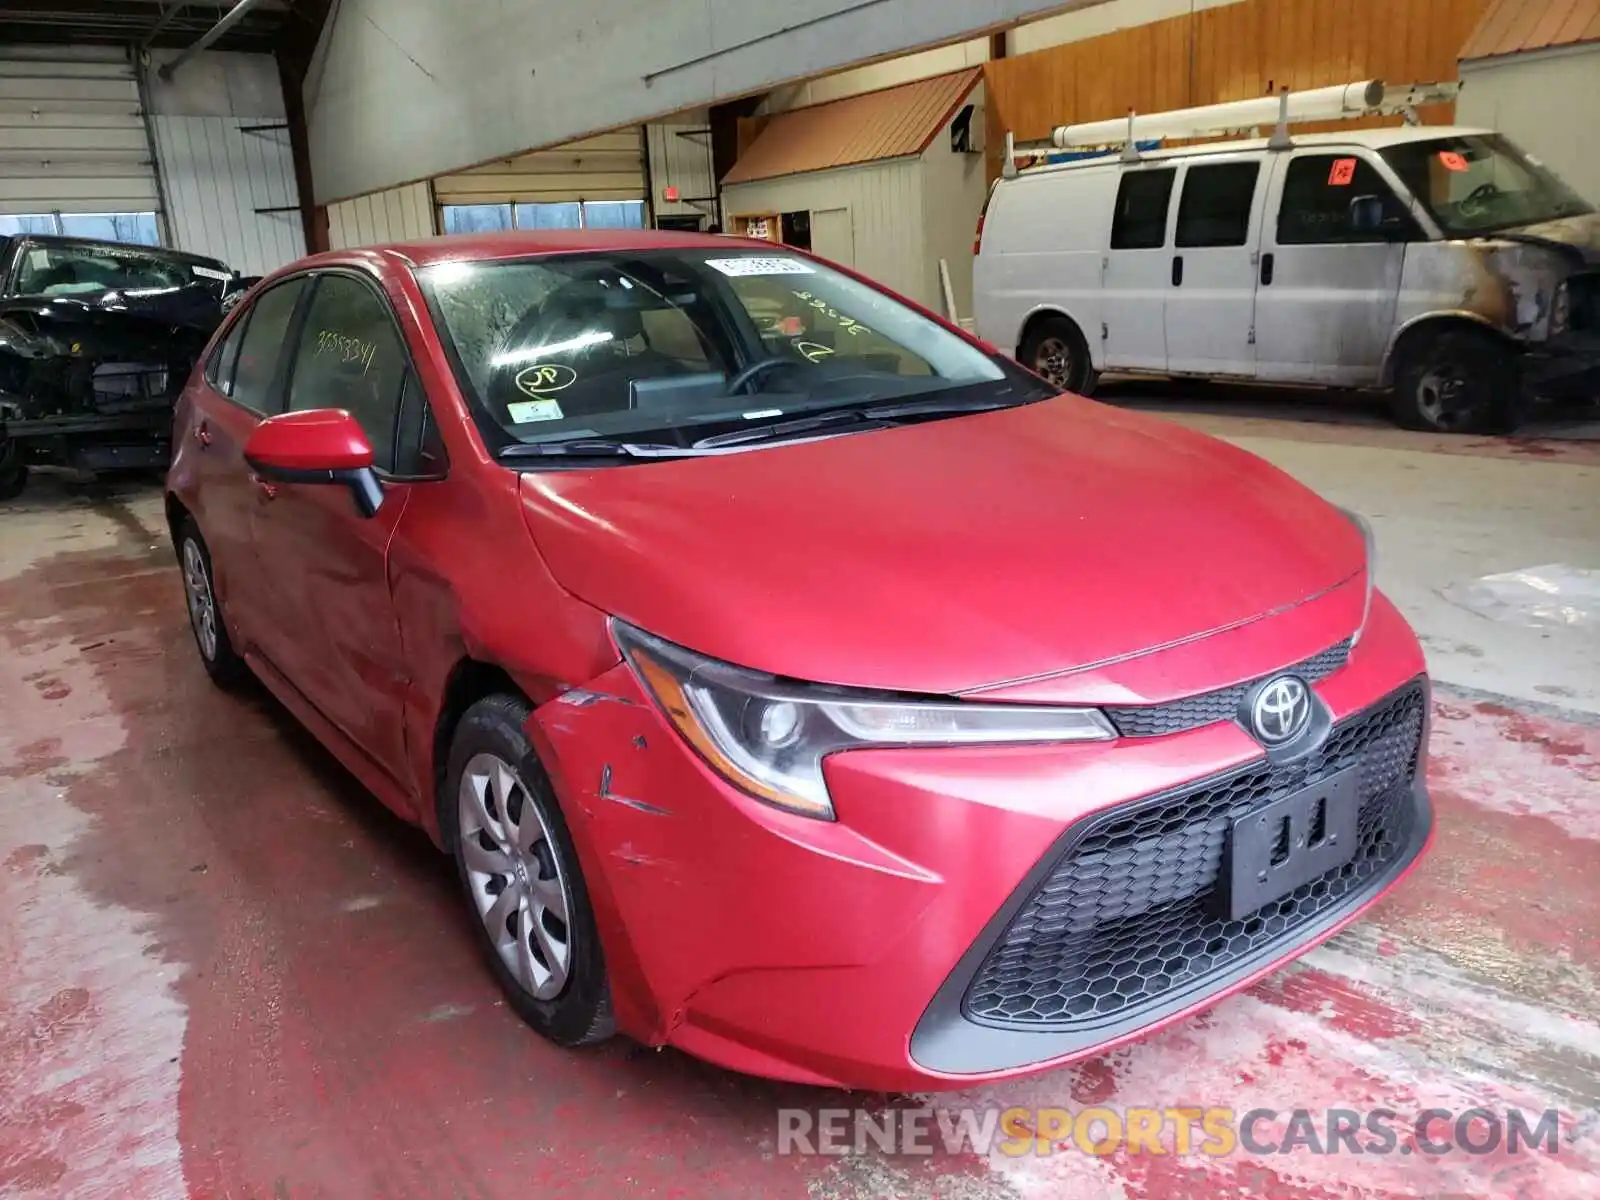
(1457, 381)
(519, 870)
(1054, 348)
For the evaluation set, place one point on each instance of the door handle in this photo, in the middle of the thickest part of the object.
(202, 434)
(1177, 270)
(1266, 268)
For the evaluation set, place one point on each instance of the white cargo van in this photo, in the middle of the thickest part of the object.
(1440, 263)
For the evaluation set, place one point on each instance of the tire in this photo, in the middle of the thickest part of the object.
(1054, 348)
(13, 471)
(555, 979)
(1457, 381)
(217, 655)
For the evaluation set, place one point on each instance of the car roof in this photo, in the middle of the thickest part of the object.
(484, 247)
(1368, 139)
(57, 239)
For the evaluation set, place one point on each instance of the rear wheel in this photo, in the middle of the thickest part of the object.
(1457, 381)
(1054, 348)
(519, 870)
(13, 471)
(217, 654)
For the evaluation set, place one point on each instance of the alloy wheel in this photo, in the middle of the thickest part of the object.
(202, 602)
(515, 876)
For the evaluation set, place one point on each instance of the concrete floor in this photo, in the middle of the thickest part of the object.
(227, 972)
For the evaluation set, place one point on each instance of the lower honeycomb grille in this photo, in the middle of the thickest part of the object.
(1128, 917)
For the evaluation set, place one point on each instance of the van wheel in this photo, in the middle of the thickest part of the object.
(1054, 349)
(1457, 381)
(13, 471)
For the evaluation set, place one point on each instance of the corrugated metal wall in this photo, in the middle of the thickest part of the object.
(680, 157)
(399, 214)
(72, 136)
(885, 205)
(1232, 52)
(607, 167)
(218, 175)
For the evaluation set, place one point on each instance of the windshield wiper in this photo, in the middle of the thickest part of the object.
(863, 417)
(594, 448)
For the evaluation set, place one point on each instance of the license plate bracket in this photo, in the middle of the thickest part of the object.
(1283, 845)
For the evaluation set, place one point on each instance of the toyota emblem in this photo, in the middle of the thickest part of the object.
(1281, 711)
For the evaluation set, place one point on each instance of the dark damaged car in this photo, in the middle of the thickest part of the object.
(96, 341)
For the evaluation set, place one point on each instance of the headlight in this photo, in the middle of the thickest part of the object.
(768, 736)
(1371, 557)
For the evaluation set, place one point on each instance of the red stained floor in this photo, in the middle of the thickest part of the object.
(225, 971)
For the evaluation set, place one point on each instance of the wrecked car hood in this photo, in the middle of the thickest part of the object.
(1576, 237)
(947, 556)
(197, 307)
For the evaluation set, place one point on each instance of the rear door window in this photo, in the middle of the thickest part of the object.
(1140, 222)
(1216, 204)
(258, 378)
(220, 367)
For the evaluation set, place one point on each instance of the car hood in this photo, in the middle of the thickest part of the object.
(1577, 237)
(946, 556)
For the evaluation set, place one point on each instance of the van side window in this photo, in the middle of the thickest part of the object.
(1140, 221)
(1215, 209)
(1315, 209)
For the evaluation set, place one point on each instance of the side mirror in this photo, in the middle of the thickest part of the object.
(1366, 214)
(320, 446)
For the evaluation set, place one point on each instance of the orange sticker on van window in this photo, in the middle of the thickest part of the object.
(1342, 172)
(1451, 161)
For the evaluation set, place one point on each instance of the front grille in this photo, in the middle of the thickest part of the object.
(1153, 720)
(1127, 918)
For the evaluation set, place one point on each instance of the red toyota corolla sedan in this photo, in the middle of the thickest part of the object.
(794, 679)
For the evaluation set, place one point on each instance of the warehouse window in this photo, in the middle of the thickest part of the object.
(37, 223)
(137, 227)
(476, 218)
(586, 214)
(550, 216)
(613, 214)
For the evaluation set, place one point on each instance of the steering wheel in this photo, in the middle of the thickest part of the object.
(1475, 201)
(742, 381)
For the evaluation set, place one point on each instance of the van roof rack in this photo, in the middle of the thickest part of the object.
(1135, 133)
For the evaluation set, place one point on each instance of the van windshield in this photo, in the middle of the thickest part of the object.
(668, 345)
(1480, 183)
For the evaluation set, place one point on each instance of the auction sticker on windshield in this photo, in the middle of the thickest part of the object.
(525, 412)
(738, 268)
(211, 273)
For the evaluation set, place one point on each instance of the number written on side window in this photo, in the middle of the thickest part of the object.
(350, 357)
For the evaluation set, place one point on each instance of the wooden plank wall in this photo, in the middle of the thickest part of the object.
(1229, 53)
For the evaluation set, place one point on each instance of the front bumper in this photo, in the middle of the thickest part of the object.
(842, 953)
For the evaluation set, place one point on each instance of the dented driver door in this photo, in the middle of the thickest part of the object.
(333, 632)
